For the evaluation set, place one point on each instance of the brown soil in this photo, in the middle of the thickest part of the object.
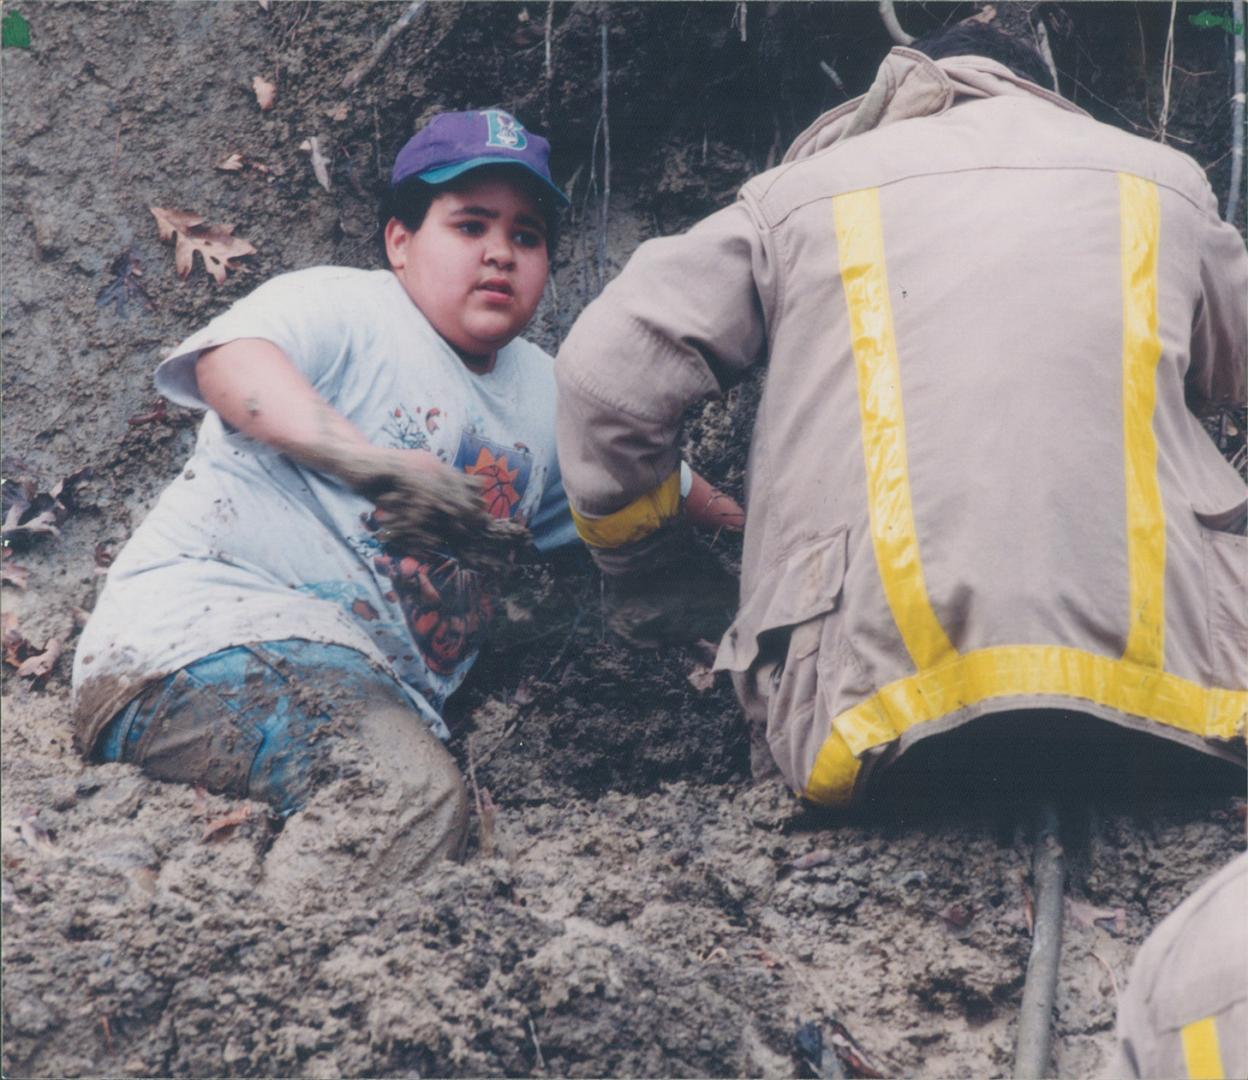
(639, 913)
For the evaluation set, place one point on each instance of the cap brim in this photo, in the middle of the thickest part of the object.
(449, 172)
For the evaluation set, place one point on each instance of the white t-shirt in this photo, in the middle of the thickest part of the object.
(246, 546)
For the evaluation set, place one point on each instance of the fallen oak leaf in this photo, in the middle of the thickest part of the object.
(40, 666)
(41, 524)
(265, 91)
(222, 827)
(216, 244)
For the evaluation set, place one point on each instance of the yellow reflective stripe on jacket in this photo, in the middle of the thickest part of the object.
(1011, 670)
(1201, 1054)
(634, 522)
(860, 244)
(946, 682)
(1140, 212)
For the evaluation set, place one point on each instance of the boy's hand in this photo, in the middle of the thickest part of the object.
(424, 505)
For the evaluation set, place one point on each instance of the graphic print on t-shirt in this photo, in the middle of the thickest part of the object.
(502, 471)
(446, 607)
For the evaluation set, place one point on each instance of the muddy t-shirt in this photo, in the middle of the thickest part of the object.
(247, 546)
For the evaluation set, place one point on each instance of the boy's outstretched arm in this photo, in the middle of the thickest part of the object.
(255, 388)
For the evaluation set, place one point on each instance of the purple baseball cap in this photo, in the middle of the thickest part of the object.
(453, 143)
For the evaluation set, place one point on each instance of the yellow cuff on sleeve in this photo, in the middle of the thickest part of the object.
(636, 521)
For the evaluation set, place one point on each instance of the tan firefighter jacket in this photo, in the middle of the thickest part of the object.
(975, 484)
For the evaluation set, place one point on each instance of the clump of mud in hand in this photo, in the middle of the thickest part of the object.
(434, 508)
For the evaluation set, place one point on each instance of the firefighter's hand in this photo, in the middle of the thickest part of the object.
(673, 604)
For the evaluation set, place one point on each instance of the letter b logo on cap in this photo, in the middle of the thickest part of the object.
(505, 131)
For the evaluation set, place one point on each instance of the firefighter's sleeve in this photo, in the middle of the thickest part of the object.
(1219, 364)
(686, 318)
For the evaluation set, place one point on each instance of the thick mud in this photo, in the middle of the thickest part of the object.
(633, 904)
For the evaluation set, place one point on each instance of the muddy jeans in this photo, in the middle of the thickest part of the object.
(298, 724)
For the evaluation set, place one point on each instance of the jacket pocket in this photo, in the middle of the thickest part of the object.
(797, 587)
(1225, 552)
(773, 650)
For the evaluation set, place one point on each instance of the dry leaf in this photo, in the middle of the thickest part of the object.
(222, 827)
(701, 678)
(264, 4)
(40, 666)
(12, 574)
(1112, 919)
(812, 859)
(233, 163)
(16, 647)
(320, 163)
(338, 114)
(36, 837)
(266, 92)
(157, 413)
(489, 818)
(216, 244)
(957, 916)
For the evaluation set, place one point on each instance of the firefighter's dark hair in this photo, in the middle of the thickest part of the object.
(978, 39)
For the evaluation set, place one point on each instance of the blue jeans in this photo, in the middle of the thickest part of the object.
(251, 721)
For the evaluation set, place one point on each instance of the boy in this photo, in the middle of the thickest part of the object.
(318, 580)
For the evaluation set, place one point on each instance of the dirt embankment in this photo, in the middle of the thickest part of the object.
(645, 909)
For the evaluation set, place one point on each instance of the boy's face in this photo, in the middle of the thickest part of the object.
(477, 265)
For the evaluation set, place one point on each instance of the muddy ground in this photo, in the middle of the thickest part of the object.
(634, 909)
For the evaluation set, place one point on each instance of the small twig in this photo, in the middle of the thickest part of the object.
(889, 16)
(1237, 116)
(550, 26)
(537, 1046)
(606, 167)
(1035, 1021)
(1167, 74)
(486, 810)
(739, 16)
(576, 622)
(364, 68)
(1046, 52)
(830, 72)
(1113, 979)
(507, 734)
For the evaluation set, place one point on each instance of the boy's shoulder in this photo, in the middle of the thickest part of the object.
(318, 279)
(528, 354)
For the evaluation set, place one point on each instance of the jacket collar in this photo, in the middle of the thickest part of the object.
(910, 84)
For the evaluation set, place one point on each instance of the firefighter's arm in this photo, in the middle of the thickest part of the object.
(685, 319)
(1219, 363)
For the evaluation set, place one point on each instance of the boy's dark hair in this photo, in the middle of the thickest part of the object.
(977, 39)
(409, 201)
